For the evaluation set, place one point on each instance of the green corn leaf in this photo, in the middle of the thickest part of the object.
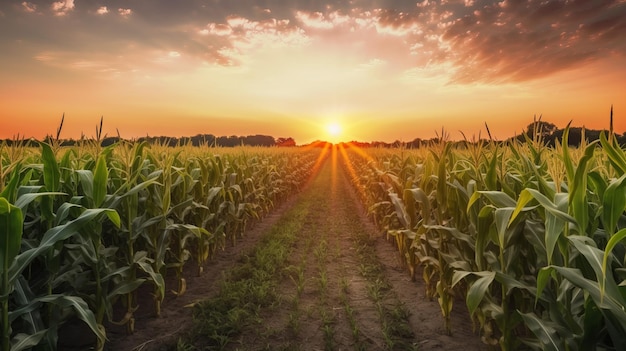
(613, 203)
(524, 198)
(454, 232)
(499, 198)
(615, 239)
(400, 210)
(114, 217)
(56, 234)
(510, 283)
(554, 225)
(26, 341)
(51, 172)
(420, 196)
(598, 183)
(457, 276)
(156, 278)
(545, 333)
(100, 179)
(11, 229)
(477, 290)
(472, 200)
(485, 219)
(593, 325)
(551, 207)
(616, 155)
(85, 176)
(594, 257)
(124, 288)
(77, 304)
(81, 310)
(442, 198)
(24, 200)
(578, 190)
(543, 278)
(491, 179)
(567, 158)
(502, 218)
(22, 294)
(10, 190)
(612, 304)
(411, 210)
(64, 212)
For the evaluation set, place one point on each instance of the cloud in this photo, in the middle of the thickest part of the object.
(62, 8)
(229, 43)
(477, 41)
(125, 12)
(29, 7)
(514, 41)
(220, 29)
(314, 20)
(81, 62)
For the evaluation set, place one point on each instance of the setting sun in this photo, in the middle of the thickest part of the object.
(334, 131)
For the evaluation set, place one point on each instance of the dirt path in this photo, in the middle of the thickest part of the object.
(341, 288)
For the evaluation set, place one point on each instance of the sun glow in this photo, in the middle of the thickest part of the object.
(334, 131)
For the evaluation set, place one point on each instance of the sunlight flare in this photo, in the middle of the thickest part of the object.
(334, 131)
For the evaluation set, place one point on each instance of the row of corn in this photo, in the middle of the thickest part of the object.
(531, 237)
(82, 228)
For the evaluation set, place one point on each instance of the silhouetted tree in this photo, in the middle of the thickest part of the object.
(285, 142)
(541, 128)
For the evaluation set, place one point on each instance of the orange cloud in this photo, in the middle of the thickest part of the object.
(62, 8)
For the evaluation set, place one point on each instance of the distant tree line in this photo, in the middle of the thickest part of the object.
(198, 140)
(547, 132)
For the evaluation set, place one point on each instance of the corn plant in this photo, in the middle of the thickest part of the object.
(533, 236)
(18, 299)
(61, 257)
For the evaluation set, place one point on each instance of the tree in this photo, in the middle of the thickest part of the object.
(540, 129)
(285, 142)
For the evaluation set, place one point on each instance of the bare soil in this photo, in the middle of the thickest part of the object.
(335, 309)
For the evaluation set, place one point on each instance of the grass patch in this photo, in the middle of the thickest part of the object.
(246, 288)
(394, 316)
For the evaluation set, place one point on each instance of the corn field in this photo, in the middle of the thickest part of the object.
(531, 237)
(82, 228)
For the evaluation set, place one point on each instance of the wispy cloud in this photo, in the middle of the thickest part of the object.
(62, 8)
(514, 41)
(29, 7)
(102, 10)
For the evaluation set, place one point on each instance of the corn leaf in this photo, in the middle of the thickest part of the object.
(477, 290)
(26, 341)
(51, 172)
(11, 229)
(545, 333)
(100, 178)
(613, 204)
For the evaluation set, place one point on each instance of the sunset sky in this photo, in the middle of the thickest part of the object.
(375, 70)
